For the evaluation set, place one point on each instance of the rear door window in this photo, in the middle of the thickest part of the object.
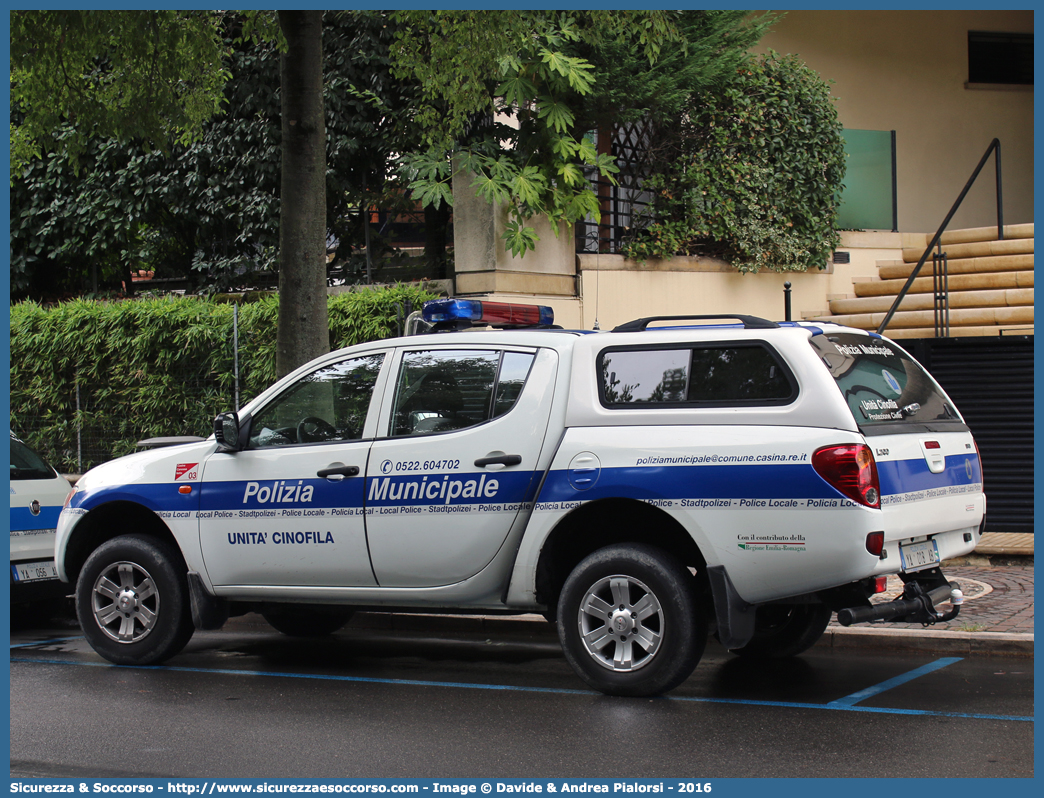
(446, 390)
(714, 375)
(883, 386)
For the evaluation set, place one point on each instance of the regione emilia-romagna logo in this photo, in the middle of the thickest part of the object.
(186, 471)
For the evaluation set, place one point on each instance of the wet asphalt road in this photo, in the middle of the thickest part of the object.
(248, 702)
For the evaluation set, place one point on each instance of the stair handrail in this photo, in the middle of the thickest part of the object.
(995, 146)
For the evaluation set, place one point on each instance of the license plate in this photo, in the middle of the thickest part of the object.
(917, 556)
(34, 571)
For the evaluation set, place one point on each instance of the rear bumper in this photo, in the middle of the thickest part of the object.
(953, 543)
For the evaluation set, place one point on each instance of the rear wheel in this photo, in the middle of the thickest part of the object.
(628, 621)
(132, 601)
(306, 621)
(785, 630)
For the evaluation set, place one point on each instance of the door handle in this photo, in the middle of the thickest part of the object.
(499, 459)
(338, 471)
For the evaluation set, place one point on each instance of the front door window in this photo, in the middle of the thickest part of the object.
(329, 404)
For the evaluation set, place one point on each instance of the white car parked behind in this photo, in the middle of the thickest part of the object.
(37, 495)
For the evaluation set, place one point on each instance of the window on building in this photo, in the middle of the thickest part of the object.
(1005, 58)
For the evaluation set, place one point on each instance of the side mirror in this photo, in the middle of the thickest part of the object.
(226, 431)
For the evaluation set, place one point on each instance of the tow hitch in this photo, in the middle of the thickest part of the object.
(916, 605)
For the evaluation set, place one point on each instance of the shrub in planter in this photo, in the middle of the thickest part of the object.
(751, 174)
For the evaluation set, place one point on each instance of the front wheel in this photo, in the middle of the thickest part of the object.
(785, 630)
(132, 601)
(629, 622)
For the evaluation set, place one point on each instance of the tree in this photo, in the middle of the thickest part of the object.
(91, 229)
(153, 76)
(149, 75)
(369, 115)
(302, 332)
(207, 212)
(157, 76)
(558, 75)
(710, 47)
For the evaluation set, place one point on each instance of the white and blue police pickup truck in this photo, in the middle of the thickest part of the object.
(642, 487)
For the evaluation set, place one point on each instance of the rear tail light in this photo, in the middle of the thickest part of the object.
(851, 470)
(982, 473)
(982, 479)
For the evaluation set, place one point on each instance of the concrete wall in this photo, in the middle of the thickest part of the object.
(907, 71)
(614, 290)
(482, 264)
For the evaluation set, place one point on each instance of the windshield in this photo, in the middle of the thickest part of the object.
(27, 464)
(882, 384)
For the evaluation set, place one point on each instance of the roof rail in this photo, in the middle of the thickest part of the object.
(749, 322)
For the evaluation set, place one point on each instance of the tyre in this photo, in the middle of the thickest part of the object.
(629, 621)
(306, 621)
(785, 630)
(132, 601)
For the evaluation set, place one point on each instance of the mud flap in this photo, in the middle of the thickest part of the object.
(734, 615)
(208, 612)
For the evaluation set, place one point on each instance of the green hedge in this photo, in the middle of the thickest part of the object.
(91, 378)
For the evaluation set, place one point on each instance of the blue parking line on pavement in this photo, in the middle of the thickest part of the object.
(835, 706)
(46, 642)
(320, 676)
(848, 708)
(877, 689)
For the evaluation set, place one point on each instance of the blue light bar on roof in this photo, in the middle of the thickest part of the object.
(497, 314)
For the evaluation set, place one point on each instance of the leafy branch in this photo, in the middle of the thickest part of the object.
(155, 76)
(538, 165)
